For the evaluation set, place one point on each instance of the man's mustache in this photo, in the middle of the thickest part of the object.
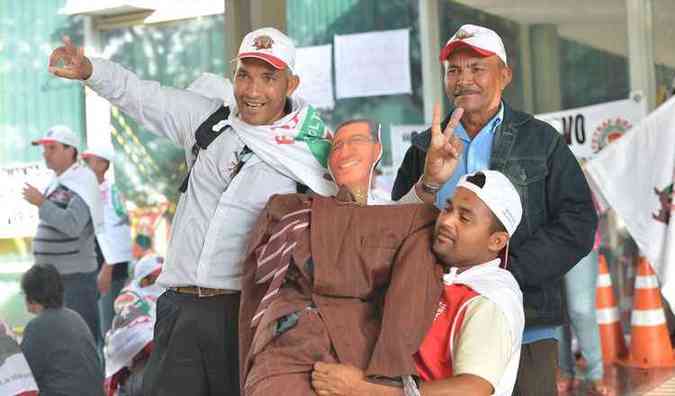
(466, 91)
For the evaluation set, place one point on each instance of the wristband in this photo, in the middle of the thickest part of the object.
(430, 188)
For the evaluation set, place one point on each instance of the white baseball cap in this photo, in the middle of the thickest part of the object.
(482, 40)
(270, 45)
(102, 151)
(61, 134)
(498, 194)
(147, 265)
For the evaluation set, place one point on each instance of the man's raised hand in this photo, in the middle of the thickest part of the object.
(75, 66)
(444, 150)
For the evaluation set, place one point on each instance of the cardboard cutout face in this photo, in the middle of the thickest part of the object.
(355, 152)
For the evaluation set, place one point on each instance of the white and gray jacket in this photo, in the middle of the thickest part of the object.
(217, 212)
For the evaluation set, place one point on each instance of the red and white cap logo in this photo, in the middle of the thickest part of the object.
(270, 45)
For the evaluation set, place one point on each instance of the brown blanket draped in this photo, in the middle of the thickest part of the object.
(373, 280)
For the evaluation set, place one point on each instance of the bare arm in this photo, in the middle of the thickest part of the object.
(341, 380)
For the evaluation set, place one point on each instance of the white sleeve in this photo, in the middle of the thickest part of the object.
(173, 113)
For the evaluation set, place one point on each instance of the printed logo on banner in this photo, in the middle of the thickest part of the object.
(666, 200)
(609, 131)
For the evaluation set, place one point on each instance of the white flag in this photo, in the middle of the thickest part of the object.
(635, 176)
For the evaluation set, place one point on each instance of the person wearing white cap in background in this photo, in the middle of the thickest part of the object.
(113, 245)
(196, 336)
(559, 219)
(473, 345)
(70, 213)
(129, 341)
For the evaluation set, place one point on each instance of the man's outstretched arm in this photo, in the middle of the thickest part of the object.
(168, 112)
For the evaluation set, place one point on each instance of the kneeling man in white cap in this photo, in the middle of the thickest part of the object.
(473, 345)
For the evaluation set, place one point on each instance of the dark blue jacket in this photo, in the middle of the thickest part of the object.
(559, 218)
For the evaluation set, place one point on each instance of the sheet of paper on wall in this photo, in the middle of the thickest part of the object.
(314, 65)
(372, 64)
(400, 142)
(18, 218)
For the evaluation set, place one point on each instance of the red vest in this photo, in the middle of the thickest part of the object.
(434, 358)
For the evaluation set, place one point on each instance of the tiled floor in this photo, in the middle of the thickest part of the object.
(625, 381)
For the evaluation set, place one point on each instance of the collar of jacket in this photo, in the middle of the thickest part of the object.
(512, 119)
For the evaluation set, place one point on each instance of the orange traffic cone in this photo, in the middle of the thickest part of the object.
(650, 343)
(609, 323)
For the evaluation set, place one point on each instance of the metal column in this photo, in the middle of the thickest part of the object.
(430, 43)
(641, 49)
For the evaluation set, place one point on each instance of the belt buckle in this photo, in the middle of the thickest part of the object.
(206, 292)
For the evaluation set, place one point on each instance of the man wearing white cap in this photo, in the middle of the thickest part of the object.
(473, 345)
(113, 245)
(70, 213)
(260, 144)
(558, 216)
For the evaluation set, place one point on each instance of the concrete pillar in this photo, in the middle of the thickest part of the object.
(545, 46)
(430, 43)
(243, 16)
(96, 109)
(641, 49)
(525, 66)
(268, 13)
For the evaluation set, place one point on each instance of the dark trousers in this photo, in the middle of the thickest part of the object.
(196, 346)
(80, 294)
(537, 370)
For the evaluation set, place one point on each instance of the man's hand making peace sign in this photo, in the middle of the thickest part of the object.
(443, 155)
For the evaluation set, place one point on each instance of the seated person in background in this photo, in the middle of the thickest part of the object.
(58, 344)
(473, 346)
(328, 278)
(16, 379)
(129, 342)
(146, 271)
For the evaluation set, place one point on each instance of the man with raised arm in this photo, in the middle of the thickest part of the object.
(261, 144)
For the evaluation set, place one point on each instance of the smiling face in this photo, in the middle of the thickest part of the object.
(465, 234)
(354, 153)
(261, 91)
(473, 82)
